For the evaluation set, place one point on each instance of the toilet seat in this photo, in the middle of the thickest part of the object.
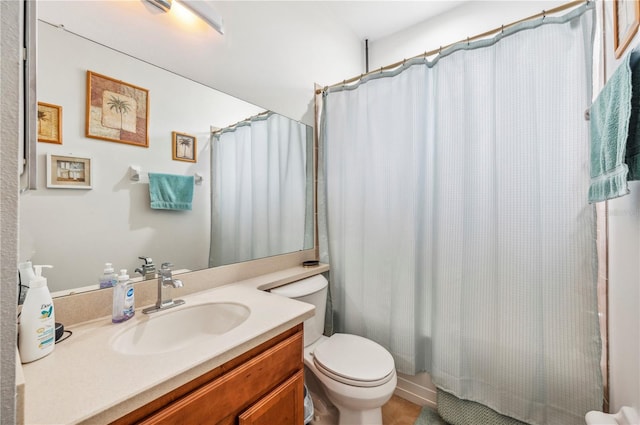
(354, 360)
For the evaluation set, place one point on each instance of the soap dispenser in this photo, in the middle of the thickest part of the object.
(123, 301)
(109, 278)
(36, 331)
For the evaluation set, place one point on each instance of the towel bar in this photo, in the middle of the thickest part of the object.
(135, 171)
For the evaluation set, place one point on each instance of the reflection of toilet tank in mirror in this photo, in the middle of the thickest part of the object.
(78, 231)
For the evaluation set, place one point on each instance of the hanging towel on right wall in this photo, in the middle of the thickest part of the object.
(615, 132)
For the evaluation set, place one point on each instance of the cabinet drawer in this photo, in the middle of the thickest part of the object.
(282, 406)
(234, 391)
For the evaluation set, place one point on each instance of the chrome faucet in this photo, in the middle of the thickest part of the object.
(165, 283)
(147, 270)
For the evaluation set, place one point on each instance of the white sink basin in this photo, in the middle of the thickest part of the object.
(175, 329)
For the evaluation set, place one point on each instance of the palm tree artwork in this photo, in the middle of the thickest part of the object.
(118, 105)
(42, 117)
(186, 148)
(116, 111)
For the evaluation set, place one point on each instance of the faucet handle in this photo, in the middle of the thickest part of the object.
(147, 260)
(166, 266)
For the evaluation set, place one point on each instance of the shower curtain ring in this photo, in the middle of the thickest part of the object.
(467, 41)
(544, 14)
(502, 29)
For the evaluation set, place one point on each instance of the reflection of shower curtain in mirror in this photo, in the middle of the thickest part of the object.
(258, 190)
(452, 207)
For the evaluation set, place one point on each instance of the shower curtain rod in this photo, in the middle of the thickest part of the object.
(261, 115)
(542, 14)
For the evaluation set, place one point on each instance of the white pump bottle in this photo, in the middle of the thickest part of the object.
(37, 329)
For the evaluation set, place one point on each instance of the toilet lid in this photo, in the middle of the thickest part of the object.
(354, 360)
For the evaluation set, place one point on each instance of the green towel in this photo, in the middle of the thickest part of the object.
(615, 139)
(170, 191)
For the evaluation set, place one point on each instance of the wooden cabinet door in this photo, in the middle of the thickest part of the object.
(221, 400)
(282, 406)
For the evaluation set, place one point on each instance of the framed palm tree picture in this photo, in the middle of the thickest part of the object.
(116, 111)
(49, 123)
(184, 147)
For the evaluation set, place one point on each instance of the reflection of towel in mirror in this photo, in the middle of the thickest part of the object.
(615, 135)
(170, 191)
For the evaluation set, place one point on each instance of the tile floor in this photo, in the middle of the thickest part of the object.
(399, 411)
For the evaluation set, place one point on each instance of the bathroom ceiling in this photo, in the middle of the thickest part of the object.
(376, 19)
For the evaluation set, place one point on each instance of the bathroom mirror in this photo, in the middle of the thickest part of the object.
(77, 229)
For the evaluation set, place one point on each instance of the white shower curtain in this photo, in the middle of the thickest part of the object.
(259, 190)
(454, 214)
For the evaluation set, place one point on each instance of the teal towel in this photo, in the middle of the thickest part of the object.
(170, 192)
(615, 136)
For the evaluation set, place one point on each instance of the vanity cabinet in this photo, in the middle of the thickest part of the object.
(263, 386)
(282, 406)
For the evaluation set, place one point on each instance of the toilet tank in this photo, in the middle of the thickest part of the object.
(312, 290)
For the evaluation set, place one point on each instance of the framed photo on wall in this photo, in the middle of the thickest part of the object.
(49, 123)
(184, 147)
(69, 172)
(116, 111)
(626, 20)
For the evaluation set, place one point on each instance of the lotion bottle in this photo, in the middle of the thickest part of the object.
(36, 331)
(109, 278)
(123, 301)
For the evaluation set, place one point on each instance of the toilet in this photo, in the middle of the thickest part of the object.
(626, 416)
(357, 375)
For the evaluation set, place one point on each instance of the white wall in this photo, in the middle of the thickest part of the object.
(61, 226)
(624, 269)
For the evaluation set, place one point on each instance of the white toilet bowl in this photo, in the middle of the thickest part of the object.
(357, 375)
(358, 401)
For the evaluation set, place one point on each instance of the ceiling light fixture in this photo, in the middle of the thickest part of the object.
(205, 11)
(163, 5)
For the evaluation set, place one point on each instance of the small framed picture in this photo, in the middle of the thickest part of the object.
(49, 123)
(68, 172)
(626, 20)
(184, 147)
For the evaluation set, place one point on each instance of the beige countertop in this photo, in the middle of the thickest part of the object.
(84, 380)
